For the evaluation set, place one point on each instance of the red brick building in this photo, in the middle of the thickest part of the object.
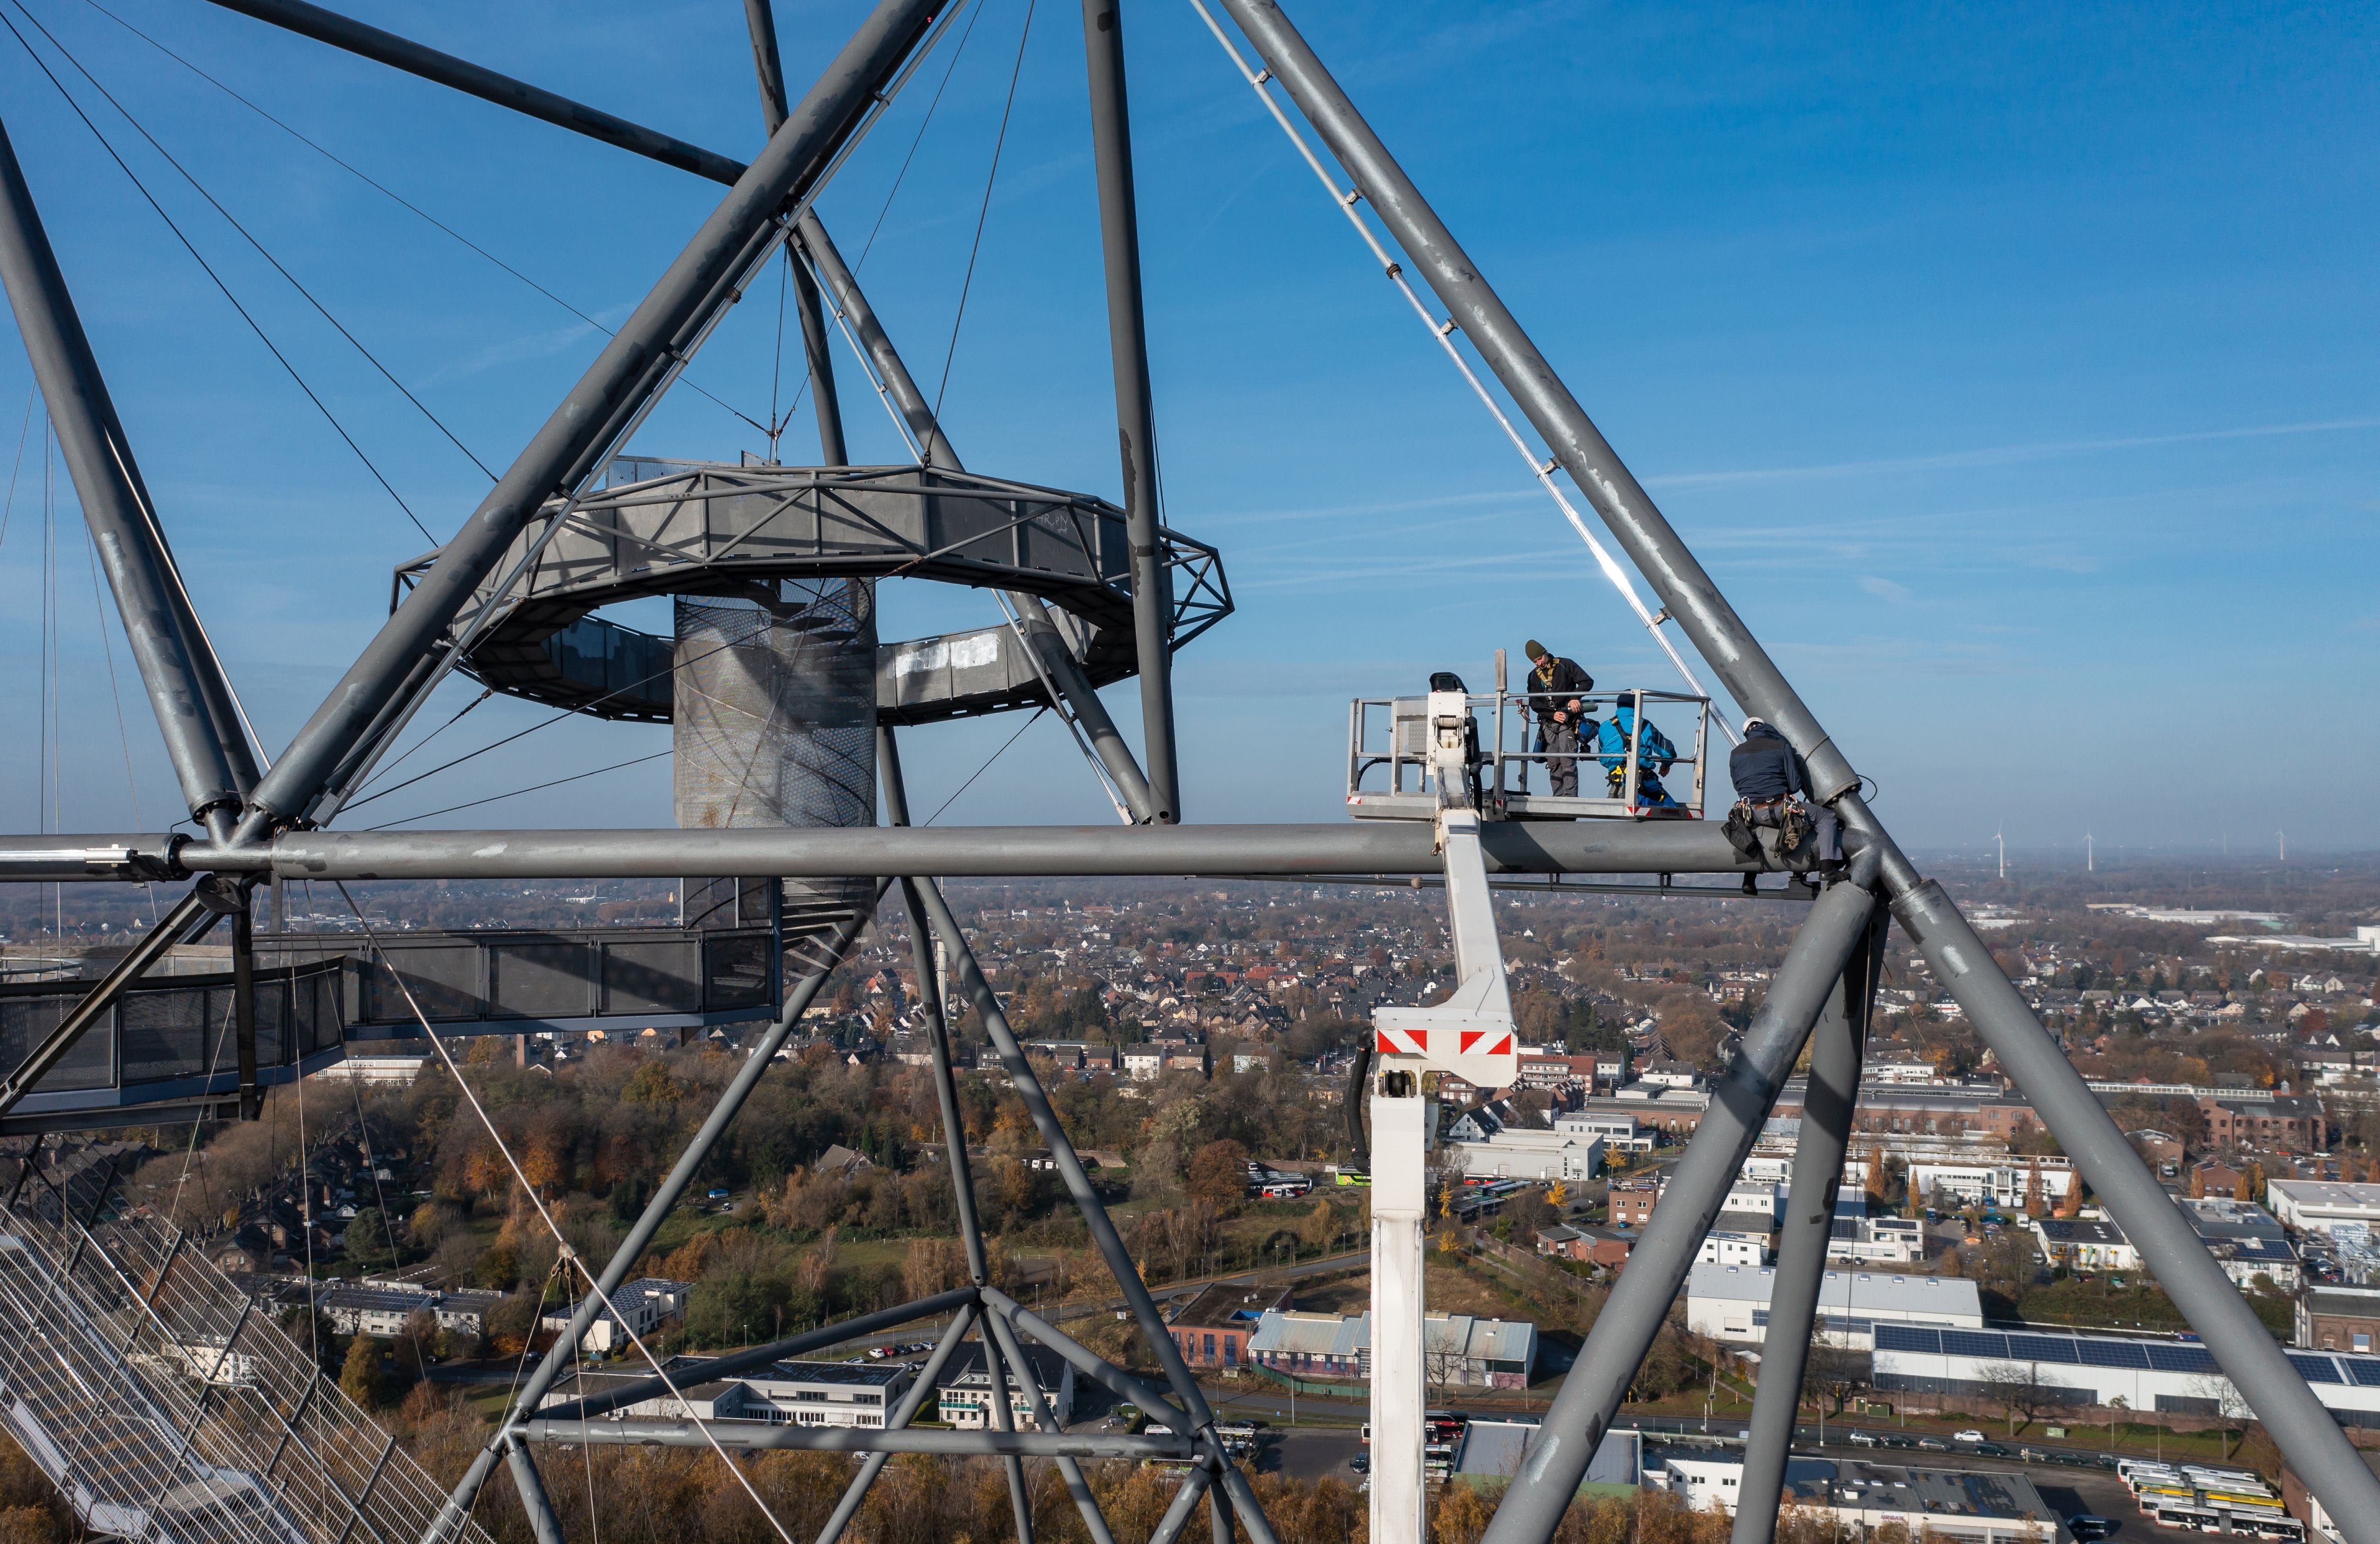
(1212, 1328)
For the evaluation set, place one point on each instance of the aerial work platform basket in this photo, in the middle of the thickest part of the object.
(1619, 776)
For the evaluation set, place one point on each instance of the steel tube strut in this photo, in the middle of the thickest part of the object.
(1195, 1483)
(2305, 1431)
(2311, 1439)
(387, 48)
(1095, 1522)
(638, 358)
(1557, 1460)
(1838, 1050)
(873, 1465)
(740, 1362)
(1152, 583)
(185, 685)
(542, 1524)
(1352, 847)
(665, 1196)
(757, 1436)
(926, 430)
(1688, 592)
(760, 20)
(1201, 1419)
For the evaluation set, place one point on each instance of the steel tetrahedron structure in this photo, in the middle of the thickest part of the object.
(772, 566)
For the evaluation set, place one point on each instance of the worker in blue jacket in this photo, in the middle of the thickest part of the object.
(1655, 754)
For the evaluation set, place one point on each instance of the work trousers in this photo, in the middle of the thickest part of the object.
(1825, 826)
(1561, 741)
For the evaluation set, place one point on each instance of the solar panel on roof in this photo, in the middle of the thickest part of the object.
(2365, 1374)
(2315, 1370)
(1974, 1342)
(2042, 1348)
(2114, 1354)
(2180, 1358)
(1907, 1337)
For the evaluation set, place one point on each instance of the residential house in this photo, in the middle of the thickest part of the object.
(2084, 1244)
(963, 1392)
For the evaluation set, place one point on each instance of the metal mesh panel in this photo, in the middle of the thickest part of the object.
(657, 976)
(444, 981)
(540, 981)
(25, 1020)
(167, 1032)
(776, 716)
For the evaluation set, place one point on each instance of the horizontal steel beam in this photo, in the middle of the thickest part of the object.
(754, 1435)
(763, 1355)
(1364, 847)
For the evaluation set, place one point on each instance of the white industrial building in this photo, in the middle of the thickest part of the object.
(1731, 1302)
(1966, 1173)
(1733, 1248)
(1619, 1130)
(1519, 1152)
(1967, 1506)
(782, 1394)
(2180, 1376)
(2317, 1206)
(643, 1303)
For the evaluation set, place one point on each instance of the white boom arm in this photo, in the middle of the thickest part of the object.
(1471, 1036)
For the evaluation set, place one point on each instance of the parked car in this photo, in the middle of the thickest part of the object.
(1862, 1438)
(878, 1352)
(1970, 1435)
(1361, 1464)
(2085, 1526)
(1933, 1445)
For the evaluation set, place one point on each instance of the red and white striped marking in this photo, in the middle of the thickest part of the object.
(1443, 1045)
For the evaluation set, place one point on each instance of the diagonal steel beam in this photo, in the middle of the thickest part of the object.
(2304, 1431)
(1838, 1050)
(1557, 1458)
(926, 430)
(739, 1362)
(640, 359)
(763, 1436)
(640, 1234)
(1152, 583)
(194, 912)
(903, 1414)
(188, 689)
(760, 21)
(387, 48)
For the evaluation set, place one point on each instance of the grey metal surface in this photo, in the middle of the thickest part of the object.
(1184, 1506)
(1838, 1051)
(903, 1414)
(1115, 1380)
(638, 360)
(1104, 1237)
(1136, 410)
(768, 64)
(387, 48)
(640, 1233)
(775, 724)
(1078, 1489)
(661, 528)
(43, 1056)
(757, 1436)
(2305, 1432)
(1033, 618)
(1688, 592)
(543, 1526)
(1370, 847)
(187, 688)
(1557, 1460)
(736, 1363)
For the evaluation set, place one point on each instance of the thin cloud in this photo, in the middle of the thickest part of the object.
(1884, 588)
(1995, 456)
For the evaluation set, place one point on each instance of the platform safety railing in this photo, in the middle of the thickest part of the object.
(1388, 764)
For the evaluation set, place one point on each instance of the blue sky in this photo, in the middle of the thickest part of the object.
(2014, 371)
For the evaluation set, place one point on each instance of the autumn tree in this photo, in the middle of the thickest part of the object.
(1219, 1175)
(361, 1380)
(2036, 1200)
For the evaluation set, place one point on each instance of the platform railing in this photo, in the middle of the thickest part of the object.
(1388, 769)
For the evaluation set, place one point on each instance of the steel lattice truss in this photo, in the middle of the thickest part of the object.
(125, 1321)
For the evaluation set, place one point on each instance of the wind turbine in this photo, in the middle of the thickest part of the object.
(2090, 853)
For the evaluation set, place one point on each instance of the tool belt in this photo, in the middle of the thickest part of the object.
(1789, 815)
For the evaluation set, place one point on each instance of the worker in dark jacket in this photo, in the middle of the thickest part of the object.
(1772, 784)
(1556, 692)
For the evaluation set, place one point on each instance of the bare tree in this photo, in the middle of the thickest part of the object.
(2018, 1387)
